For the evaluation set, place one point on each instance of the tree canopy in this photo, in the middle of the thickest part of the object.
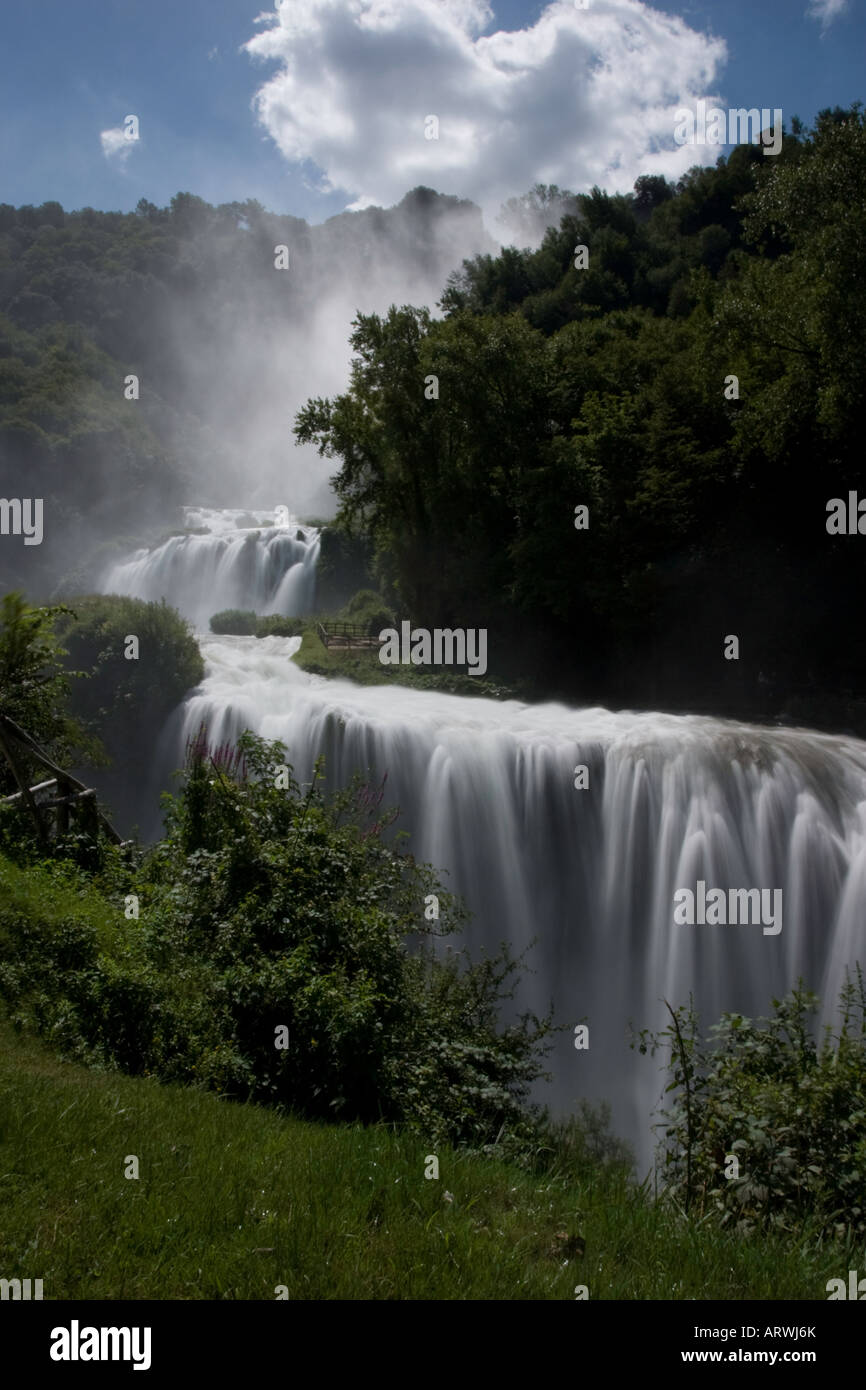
(695, 380)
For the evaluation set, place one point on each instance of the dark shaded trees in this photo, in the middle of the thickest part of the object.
(698, 387)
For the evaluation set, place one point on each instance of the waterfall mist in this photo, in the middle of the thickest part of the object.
(247, 343)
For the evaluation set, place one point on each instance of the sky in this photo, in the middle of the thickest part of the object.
(313, 106)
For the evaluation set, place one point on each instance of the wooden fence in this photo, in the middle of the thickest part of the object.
(55, 803)
(348, 636)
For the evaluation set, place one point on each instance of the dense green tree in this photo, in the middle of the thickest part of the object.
(682, 387)
(35, 680)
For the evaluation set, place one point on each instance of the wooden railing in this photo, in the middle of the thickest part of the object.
(71, 795)
(349, 636)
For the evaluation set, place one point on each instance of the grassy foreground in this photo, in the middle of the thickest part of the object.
(234, 1200)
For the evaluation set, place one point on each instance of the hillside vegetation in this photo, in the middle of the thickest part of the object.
(617, 450)
(235, 1201)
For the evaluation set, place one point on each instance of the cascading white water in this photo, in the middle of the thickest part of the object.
(486, 790)
(243, 561)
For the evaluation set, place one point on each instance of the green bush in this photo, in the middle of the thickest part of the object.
(56, 928)
(791, 1109)
(34, 682)
(125, 703)
(369, 608)
(234, 622)
(117, 690)
(265, 907)
(274, 625)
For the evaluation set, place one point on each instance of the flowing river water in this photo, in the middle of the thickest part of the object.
(583, 879)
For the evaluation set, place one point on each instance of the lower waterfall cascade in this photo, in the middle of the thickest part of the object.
(581, 877)
(486, 790)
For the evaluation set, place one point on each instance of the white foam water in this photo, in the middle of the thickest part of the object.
(260, 566)
(486, 789)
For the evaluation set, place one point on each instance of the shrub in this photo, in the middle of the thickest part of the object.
(54, 925)
(791, 1109)
(34, 683)
(119, 690)
(276, 626)
(264, 906)
(124, 703)
(370, 608)
(234, 622)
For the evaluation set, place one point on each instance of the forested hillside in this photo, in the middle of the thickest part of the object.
(224, 345)
(688, 366)
(684, 362)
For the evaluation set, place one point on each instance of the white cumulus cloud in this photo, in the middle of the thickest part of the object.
(579, 97)
(826, 10)
(118, 143)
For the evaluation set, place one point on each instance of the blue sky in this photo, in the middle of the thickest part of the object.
(340, 102)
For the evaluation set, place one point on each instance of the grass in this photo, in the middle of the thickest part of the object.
(53, 894)
(233, 1201)
(365, 668)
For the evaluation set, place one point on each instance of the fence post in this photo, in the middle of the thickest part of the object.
(23, 784)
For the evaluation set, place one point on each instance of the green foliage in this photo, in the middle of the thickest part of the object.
(369, 608)
(34, 683)
(237, 622)
(64, 421)
(345, 565)
(558, 387)
(798, 313)
(55, 925)
(365, 668)
(606, 387)
(116, 708)
(275, 625)
(269, 906)
(120, 690)
(88, 298)
(792, 1111)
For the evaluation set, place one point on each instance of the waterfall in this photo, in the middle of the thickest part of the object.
(242, 561)
(584, 879)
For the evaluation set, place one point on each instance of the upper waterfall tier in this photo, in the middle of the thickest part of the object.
(242, 561)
